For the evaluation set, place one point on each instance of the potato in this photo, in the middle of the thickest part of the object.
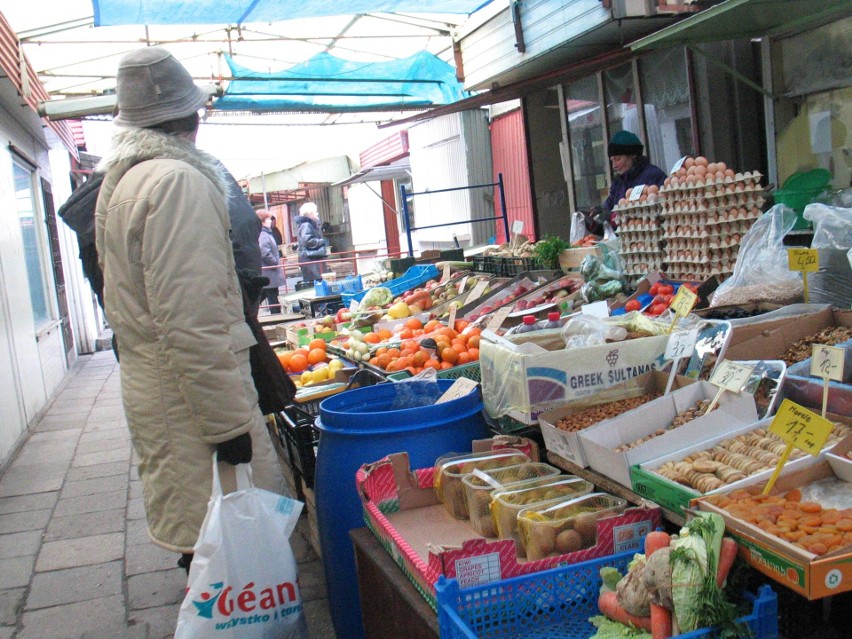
(587, 526)
(569, 541)
(541, 541)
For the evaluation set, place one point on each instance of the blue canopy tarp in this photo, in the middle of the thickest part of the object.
(328, 82)
(117, 12)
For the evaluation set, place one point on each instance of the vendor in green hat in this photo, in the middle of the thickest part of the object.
(631, 168)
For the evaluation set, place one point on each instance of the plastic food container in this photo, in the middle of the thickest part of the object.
(451, 469)
(566, 526)
(506, 504)
(478, 490)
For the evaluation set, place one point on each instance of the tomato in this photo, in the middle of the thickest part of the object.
(666, 289)
(657, 309)
(655, 288)
(667, 299)
(632, 305)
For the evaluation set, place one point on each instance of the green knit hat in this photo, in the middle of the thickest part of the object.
(625, 143)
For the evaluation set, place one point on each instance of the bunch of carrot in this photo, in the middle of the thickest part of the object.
(588, 240)
(660, 623)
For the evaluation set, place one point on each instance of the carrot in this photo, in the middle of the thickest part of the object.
(655, 541)
(609, 606)
(661, 622)
(726, 560)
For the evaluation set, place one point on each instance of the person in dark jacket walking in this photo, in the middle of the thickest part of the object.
(631, 168)
(271, 262)
(312, 244)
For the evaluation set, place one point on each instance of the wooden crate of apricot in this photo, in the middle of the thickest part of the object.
(800, 534)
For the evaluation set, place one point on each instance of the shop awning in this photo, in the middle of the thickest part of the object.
(378, 173)
(116, 12)
(740, 19)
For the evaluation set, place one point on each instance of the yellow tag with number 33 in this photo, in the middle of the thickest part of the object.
(800, 427)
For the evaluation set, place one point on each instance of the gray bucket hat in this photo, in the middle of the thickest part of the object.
(153, 87)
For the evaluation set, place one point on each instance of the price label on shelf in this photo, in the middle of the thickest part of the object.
(477, 291)
(451, 321)
(802, 259)
(828, 361)
(461, 387)
(636, 193)
(800, 427)
(731, 376)
(499, 317)
(518, 227)
(677, 165)
(681, 344)
(446, 274)
(683, 302)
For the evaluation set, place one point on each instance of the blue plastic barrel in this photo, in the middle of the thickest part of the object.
(362, 426)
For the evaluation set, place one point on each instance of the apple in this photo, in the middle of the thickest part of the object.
(328, 320)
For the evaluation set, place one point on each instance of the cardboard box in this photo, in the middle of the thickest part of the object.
(567, 444)
(570, 258)
(532, 373)
(810, 575)
(599, 442)
(770, 339)
(403, 511)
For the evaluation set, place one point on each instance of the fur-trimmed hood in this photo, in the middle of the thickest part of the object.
(132, 146)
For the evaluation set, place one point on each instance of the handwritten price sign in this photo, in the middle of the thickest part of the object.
(827, 361)
(731, 376)
(682, 304)
(800, 427)
(681, 344)
(802, 259)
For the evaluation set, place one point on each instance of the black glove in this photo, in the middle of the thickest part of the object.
(235, 451)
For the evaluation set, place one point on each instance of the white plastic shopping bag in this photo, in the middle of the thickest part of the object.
(243, 581)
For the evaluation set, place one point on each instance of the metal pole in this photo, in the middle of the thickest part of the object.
(405, 220)
(503, 205)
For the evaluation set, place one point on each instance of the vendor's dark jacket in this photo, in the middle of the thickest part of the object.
(310, 238)
(642, 172)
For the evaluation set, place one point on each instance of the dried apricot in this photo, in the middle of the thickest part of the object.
(809, 507)
(831, 516)
(844, 524)
(817, 548)
(793, 495)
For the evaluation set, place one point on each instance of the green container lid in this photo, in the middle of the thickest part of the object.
(813, 180)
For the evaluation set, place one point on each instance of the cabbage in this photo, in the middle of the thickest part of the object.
(609, 629)
(377, 296)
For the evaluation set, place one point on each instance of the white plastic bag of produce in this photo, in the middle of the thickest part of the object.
(243, 581)
(832, 283)
(761, 273)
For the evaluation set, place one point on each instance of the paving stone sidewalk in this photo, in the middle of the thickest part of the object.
(75, 558)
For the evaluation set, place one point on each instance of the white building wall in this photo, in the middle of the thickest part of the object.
(32, 358)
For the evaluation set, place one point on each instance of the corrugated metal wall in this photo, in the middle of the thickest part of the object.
(509, 157)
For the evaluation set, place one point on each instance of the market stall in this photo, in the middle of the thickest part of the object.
(619, 397)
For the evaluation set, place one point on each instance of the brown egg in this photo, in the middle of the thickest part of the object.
(667, 181)
(652, 188)
(721, 166)
(701, 160)
(711, 167)
(700, 170)
(730, 173)
(689, 163)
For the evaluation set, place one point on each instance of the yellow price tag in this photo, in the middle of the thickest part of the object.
(731, 376)
(800, 427)
(828, 361)
(802, 259)
(683, 302)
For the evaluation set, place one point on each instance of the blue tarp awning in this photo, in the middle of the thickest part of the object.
(118, 12)
(325, 82)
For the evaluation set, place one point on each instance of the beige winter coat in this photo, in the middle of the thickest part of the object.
(172, 298)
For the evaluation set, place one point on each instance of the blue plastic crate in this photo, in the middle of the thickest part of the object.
(412, 278)
(556, 604)
(351, 284)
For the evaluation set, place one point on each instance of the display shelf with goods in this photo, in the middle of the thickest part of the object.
(351, 284)
(413, 277)
(705, 213)
(640, 232)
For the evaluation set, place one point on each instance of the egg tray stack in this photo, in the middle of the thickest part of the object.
(641, 234)
(704, 220)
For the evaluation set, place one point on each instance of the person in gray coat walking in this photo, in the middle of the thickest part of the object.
(271, 262)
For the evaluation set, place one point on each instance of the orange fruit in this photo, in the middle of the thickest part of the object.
(382, 361)
(447, 331)
(464, 358)
(473, 330)
(393, 352)
(445, 366)
(420, 358)
(284, 358)
(373, 361)
(316, 355)
(298, 363)
(432, 325)
(461, 324)
(372, 338)
(449, 355)
(384, 334)
(406, 333)
(413, 323)
(473, 353)
(381, 350)
(301, 351)
(317, 343)
(432, 363)
(473, 341)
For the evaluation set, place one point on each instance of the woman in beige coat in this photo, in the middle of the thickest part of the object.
(173, 300)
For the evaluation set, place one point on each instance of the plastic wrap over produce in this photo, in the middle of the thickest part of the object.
(832, 283)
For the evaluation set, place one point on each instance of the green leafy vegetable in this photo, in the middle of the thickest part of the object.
(610, 578)
(609, 629)
(548, 248)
